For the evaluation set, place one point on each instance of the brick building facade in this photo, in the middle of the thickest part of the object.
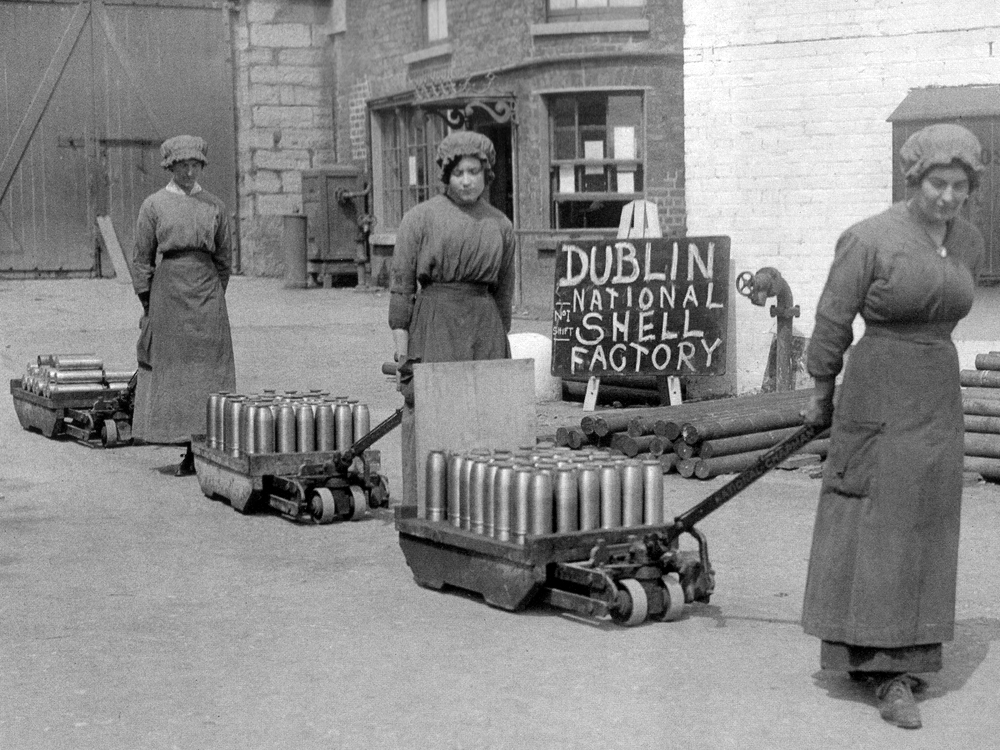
(765, 124)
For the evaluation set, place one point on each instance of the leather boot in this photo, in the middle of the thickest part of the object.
(186, 467)
(896, 703)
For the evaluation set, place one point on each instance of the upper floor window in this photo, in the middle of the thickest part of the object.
(435, 19)
(586, 10)
(596, 157)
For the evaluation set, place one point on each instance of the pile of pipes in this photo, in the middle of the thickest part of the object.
(509, 494)
(701, 439)
(82, 375)
(981, 409)
(292, 422)
(615, 389)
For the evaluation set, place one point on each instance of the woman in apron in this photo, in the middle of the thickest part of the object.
(180, 269)
(880, 591)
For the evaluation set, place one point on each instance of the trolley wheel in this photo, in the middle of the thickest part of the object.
(109, 433)
(638, 607)
(359, 501)
(673, 596)
(322, 506)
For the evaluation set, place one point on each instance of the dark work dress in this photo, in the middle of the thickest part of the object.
(880, 590)
(453, 281)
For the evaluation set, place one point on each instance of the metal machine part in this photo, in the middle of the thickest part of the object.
(758, 287)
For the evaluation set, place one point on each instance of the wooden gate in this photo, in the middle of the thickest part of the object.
(88, 91)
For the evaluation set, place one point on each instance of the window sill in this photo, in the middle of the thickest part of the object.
(428, 53)
(619, 26)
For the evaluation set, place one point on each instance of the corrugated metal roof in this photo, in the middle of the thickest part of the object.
(937, 102)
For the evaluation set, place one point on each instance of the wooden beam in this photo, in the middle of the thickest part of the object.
(33, 115)
(109, 241)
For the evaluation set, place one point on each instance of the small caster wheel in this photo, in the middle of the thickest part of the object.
(637, 603)
(673, 598)
(359, 503)
(322, 506)
(109, 433)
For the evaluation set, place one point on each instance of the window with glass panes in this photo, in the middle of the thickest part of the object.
(409, 174)
(435, 16)
(596, 151)
(584, 10)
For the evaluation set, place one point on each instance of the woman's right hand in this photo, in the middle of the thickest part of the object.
(819, 410)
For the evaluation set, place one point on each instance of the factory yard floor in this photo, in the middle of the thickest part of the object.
(137, 613)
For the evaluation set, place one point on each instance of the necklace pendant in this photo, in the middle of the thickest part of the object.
(943, 251)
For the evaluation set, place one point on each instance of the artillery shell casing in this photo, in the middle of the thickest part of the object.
(55, 389)
(464, 491)
(76, 376)
(361, 418)
(326, 439)
(632, 493)
(503, 501)
(456, 469)
(477, 483)
(249, 429)
(590, 497)
(305, 429)
(567, 500)
(540, 503)
(611, 498)
(521, 520)
(489, 499)
(118, 376)
(263, 432)
(233, 425)
(652, 492)
(284, 428)
(74, 361)
(435, 485)
(212, 419)
(344, 426)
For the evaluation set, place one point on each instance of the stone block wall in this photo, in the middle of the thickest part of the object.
(787, 142)
(285, 118)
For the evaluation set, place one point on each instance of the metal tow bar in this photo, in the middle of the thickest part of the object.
(649, 576)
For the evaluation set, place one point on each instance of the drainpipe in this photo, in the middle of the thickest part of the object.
(768, 282)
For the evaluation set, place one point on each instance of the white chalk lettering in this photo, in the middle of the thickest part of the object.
(571, 278)
(639, 351)
(592, 322)
(692, 295)
(619, 325)
(694, 258)
(617, 363)
(650, 274)
(646, 298)
(646, 326)
(626, 255)
(708, 298)
(685, 351)
(608, 263)
(688, 331)
(662, 349)
(709, 351)
(665, 332)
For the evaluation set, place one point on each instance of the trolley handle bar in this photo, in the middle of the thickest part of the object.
(804, 435)
(378, 432)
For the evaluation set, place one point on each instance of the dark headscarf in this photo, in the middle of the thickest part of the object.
(941, 145)
(465, 143)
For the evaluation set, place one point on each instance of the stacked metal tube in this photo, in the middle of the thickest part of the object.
(981, 410)
(701, 439)
(82, 375)
(509, 495)
(291, 422)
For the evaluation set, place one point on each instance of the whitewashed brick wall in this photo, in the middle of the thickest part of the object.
(787, 142)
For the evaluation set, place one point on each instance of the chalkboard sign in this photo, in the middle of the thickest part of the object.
(641, 306)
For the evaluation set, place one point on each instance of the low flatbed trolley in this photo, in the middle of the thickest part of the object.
(315, 487)
(630, 574)
(104, 422)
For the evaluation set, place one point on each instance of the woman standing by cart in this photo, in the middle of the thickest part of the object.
(453, 266)
(880, 591)
(180, 270)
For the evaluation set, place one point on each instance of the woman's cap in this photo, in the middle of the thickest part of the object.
(182, 147)
(940, 145)
(464, 143)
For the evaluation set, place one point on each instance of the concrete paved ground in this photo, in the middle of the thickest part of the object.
(139, 614)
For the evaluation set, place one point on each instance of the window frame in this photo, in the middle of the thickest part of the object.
(425, 21)
(639, 164)
(401, 133)
(607, 11)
